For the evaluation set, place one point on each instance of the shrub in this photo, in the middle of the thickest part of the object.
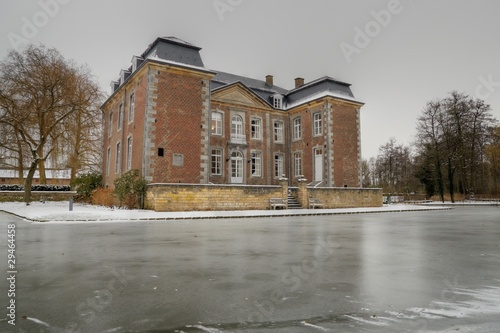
(85, 184)
(102, 197)
(130, 188)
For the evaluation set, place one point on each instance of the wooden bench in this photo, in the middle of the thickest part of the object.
(278, 202)
(314, 202)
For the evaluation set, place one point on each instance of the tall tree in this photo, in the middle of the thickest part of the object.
(492, 156)
(452, 133)
(40, 92)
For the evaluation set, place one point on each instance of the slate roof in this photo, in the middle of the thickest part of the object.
(325, 84)
(321, 87)
(259, 87)
(181, 53)
(174, 49)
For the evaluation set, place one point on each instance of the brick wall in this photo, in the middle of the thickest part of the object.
(309, 141)
(180, 128)
(187, 197)
(265, 145)
(132, 127)
(346, 149)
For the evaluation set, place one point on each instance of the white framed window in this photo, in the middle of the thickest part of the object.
(216, 167)
(237, 167)
(297, 164)
(278, 165)
(129, 153)
(317, 123)
(277, 102)
(118, 161)
(237, 131)
(297, 128)
(120, 116)
(279, 129)
(131, 109)
(108, 161)
(256, 164)
(216, 123)
(256, 128)
(110, 127)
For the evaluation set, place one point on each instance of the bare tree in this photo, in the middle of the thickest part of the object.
(492, 156)
(452, 133)
(40, 94)
(393, 169)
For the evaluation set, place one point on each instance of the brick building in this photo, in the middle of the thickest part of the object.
(178, 122)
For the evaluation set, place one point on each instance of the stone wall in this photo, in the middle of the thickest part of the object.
(6, 196)
(197, 197)
(347, 197)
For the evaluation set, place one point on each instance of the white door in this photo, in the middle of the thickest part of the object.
(237, 167)
(318, 165)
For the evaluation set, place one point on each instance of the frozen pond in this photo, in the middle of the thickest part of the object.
(390, 272)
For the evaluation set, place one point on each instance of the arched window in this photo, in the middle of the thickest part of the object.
(237, 133)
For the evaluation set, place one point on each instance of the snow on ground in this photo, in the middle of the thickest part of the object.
(464, 203)
(59, 211)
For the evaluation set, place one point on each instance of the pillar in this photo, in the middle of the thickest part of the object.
(302, 195)
(283, 182)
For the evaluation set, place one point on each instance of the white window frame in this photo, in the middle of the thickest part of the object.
(216, 161)
(120, 117)
(256, 129)
(237, 129)
(131, 110)
(256, 163)
(297, 164)
(279, 165)
(216, 124)
(237, 167)
(279, 131)
(277, 102)
(108, 161)
(129, 152)
(118, 161)
(317, 123)
(110, 127)
(297, 128)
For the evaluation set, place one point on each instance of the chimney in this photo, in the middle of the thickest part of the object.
(269, 80)
(299, 82)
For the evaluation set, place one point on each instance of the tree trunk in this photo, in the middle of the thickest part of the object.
(41, 166)
(450, 181)
(439, 178)
(28, 181)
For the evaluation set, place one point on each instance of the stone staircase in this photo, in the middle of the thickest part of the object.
(293, 203)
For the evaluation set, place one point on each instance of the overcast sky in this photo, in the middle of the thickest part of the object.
(397, 55)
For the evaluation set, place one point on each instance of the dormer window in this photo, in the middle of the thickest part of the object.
(277, 101)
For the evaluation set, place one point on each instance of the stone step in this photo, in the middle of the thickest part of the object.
(293, 203)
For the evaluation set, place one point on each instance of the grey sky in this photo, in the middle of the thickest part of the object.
(408, 52)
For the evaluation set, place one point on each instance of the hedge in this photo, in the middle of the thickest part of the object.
(47, 188)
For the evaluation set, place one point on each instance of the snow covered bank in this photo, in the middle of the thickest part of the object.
(59, 211)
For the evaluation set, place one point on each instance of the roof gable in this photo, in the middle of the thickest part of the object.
(238, 94)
